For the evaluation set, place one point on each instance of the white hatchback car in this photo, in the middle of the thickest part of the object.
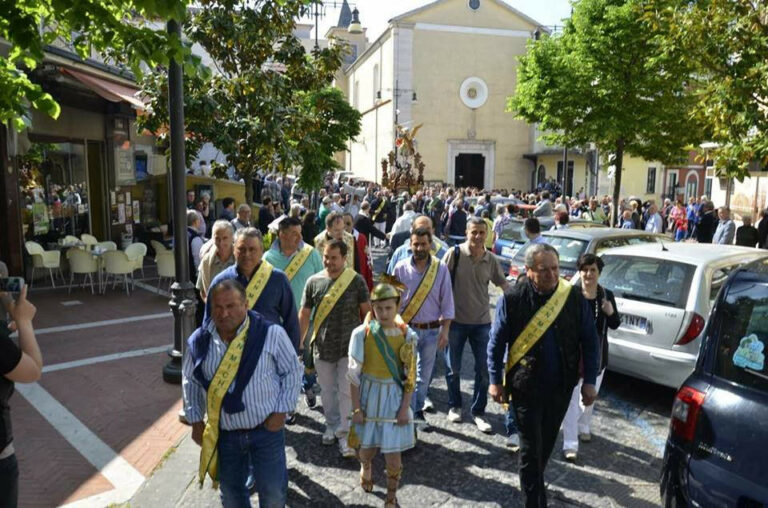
(664, 293)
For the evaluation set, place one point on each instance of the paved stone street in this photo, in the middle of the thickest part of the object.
(101, 427)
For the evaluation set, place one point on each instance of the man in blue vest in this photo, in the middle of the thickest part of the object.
(266, 379)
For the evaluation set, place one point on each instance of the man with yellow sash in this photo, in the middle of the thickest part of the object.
(334, 229)
(333, 303)
(241, 371)
(543, 330)
(267, 288)
(427, 306)
(299, 261)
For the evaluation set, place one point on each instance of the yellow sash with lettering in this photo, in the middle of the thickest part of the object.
(297, 262)
(225, 374)
(258, 283)
(425, 286)
(537, 326)
(329, 300)
(380, 208)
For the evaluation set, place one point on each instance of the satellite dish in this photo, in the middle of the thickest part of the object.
(473, 92)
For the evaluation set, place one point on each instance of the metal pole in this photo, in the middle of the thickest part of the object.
(183, 299)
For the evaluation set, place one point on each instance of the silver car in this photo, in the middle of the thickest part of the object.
(664, 293)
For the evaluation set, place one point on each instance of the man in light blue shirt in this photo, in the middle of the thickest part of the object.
(654, 223)
(432, 321)
(405, 252)
(264, 389)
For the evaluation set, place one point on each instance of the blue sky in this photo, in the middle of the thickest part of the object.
(374, 14)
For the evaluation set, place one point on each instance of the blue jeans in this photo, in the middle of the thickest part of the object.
(257, 450)
(510, 422)
(426, 349)
(308, 381)
(478, 341)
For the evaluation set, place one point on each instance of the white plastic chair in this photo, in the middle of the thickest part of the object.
(166, 267)
(116, 262)
(136, 253)
(158, 247)
(107, 245)
(42, 258)
(89, 240)
(72, 241)
(82, 262)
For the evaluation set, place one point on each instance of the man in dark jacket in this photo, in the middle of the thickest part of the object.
(705, 228)
(762, 230)
(365, 225)
(747, 235)
(542, 360)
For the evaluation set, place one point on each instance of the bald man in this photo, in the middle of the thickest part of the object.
(404, 251)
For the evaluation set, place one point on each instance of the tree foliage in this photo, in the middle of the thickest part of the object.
(727, 40)
(603, 80)
(267, 105)
(115, 29)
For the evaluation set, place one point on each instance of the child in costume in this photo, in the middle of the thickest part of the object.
(382, 373)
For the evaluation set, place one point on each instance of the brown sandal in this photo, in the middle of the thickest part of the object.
(393, 480)
(366, 483)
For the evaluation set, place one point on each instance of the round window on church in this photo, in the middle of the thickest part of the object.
(474, 4)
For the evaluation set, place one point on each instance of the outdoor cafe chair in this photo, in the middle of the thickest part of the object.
(166, 267)
(116, 262)
(81, 262)
(88, 240)
(136, 253)
(41, 258)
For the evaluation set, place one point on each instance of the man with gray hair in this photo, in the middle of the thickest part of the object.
(726, 229)
(543, 331)
(403, 223)
(243, 219)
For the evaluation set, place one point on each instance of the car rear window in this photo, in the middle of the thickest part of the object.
(742, 326)
(658, 281)
(513, 230)
(568, 250)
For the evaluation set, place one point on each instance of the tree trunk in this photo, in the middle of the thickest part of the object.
(617, 181)
(248, 180)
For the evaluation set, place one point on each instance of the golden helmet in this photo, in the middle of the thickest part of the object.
(387, 287)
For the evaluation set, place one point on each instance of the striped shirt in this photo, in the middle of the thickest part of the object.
(273, 388)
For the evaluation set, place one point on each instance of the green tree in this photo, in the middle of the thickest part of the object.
(115, 29)
(728, 42)
(603, 80)
(267, 105)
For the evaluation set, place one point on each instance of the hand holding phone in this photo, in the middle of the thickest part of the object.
(22, 311)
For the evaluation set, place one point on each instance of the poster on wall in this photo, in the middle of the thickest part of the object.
(125, 173)
(136, 211)
(40, 218)
(121, 213)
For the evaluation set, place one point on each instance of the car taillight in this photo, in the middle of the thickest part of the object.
(693, 331)
(685, 412)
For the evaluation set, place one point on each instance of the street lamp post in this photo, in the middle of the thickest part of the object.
(183, 300)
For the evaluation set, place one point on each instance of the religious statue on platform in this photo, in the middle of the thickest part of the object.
(403, 170)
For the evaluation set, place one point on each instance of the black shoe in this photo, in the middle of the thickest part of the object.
(420, 422)
(310, 398)
(290, 419)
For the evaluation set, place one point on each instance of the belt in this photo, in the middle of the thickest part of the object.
(425, 326)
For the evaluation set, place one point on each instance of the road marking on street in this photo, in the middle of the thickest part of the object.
(153, 289)
(108, 322)
(104, 358)
(70, 303)
(109, 463)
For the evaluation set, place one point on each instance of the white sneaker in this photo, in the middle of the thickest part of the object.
(329, 437)
(513, 442)
(345, 450)
(428, 406)
(483, 425)
(454, 415)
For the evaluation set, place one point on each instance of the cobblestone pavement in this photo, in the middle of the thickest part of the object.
(456, 465)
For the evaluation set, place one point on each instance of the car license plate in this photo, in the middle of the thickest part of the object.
(634, 323)
(508, 252)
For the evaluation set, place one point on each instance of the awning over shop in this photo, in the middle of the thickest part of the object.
(109, 90)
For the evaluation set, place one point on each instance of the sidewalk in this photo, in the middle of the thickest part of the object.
(101, 418)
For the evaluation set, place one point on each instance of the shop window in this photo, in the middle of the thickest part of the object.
(54, 191)
(650, 184)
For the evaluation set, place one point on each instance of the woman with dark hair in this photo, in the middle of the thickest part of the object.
(576, 424)
(309, 227)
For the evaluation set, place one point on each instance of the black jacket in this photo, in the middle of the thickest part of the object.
(365, 226)
(574, 331)
(705, 229)
(603, 322)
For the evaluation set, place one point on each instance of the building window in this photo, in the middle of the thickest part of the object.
(376, 82)
(708, 187)
(650, 184)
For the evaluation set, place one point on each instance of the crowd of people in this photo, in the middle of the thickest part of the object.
(293, 294)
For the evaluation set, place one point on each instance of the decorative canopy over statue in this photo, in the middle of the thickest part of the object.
(403, 170)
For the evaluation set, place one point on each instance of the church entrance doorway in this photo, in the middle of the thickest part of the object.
(470, 170)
